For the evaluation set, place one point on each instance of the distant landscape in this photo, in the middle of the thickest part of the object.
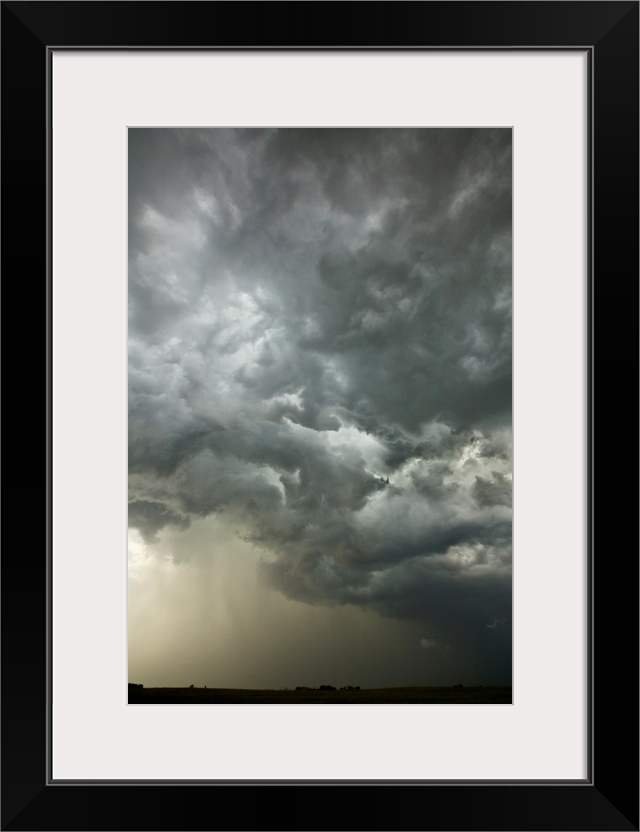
(324, 695)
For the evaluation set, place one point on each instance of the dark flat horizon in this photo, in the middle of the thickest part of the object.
(410, 695)
(293, 690)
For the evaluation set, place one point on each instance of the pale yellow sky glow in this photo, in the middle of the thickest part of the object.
(198, 614)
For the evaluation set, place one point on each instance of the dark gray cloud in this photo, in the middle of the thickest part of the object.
(320, 349)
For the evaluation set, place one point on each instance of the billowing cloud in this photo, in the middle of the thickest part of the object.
(320, 352)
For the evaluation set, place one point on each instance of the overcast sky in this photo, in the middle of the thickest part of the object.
(320, 407)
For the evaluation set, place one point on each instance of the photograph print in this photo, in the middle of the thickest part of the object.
(320, 416)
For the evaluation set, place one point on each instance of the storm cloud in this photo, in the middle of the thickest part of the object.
(320, 354)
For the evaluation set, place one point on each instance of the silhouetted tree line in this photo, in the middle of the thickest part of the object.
(132, 685)
(329, 687)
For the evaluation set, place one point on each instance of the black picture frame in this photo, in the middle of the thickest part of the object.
(608, 798)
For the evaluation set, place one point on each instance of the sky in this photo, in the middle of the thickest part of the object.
(320, 426)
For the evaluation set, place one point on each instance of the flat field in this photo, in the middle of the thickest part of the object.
(457, 695)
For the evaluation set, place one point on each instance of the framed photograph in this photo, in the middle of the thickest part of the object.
(326, 315)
